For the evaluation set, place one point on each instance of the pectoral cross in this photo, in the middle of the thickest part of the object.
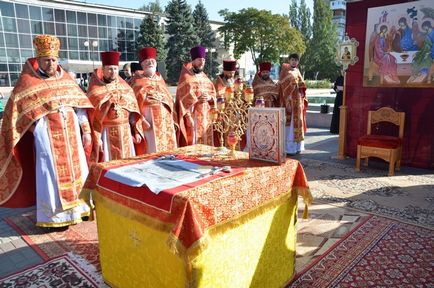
(117, 109)
(62, 111)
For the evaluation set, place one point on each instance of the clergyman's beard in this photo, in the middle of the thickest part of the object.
(197, 70)
(265, 77)
(109, 80)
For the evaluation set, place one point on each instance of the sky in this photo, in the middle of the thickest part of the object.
(212, 6)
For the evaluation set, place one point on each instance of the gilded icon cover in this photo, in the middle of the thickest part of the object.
(267, 134)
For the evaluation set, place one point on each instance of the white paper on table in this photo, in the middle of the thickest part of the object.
(159, 174)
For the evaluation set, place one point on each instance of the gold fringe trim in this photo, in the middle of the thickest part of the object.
(201, 244)
(131, 214)
(62, 224)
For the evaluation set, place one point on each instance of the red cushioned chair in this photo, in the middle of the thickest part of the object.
(385, 147)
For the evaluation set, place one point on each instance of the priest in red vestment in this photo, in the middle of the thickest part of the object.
(264, 87)
(156, 104)
(117, 122)
(227, 78)
(44, 136)
(292, 96)
(195, 97)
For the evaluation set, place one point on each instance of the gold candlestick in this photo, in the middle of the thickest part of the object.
(233, 116)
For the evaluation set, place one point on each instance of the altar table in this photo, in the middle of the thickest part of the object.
(237, 231)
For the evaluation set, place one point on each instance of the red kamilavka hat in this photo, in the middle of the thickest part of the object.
(110, 58)
(265, 66)
(229, 65)
(148, 53)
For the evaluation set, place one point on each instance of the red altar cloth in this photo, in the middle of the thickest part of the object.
(197, 209)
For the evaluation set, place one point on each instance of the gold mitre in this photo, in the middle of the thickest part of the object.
(46, 46)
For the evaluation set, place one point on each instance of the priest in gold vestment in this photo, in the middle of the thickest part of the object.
(292, 96)
(195, 97)
(155, 103)
(264, 87)
(116, 123)
(47, 113)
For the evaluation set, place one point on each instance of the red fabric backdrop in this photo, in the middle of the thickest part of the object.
(417, 103)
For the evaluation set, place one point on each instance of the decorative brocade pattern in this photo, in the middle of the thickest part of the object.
(32, 99)
(200, 208)
(189, 89)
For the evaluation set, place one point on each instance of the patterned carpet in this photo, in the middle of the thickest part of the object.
(81, 239)
(405, 197)
(65, 271)
(380, 252)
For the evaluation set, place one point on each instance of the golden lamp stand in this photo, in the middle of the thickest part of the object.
(230, 117)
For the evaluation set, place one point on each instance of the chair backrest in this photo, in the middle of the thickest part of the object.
(387, 114)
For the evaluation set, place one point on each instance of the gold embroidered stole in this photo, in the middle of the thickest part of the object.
(190, 87)
(266, 89)
(152, 94)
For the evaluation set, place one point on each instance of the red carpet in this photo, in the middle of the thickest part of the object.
(379, 253)
(81, 239)
(64, 271)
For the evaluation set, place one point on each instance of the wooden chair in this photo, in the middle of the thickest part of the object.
(385, 147)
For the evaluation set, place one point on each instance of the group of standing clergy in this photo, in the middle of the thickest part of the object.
(52, 131)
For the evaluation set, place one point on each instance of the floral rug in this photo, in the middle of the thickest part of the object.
(67, 270)
(380, 252)
(405, 197)
(81, 239)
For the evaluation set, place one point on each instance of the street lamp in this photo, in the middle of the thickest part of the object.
(92, 47)
(212, 50)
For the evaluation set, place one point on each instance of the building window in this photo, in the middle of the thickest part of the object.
(4, 79)
(60, 29)
(71, 17)
(37, 27)
(73, 55)
(23, 26)
(3, 57)
(14, 78)
(35, 13)
(26, 54)
(47, 14)
(9, 24)
(7, 9)
(82, 31)
(63, 43)
(111, 21)
(2, 42)
(121, 22)
(81, 18)
(91, 19)
(84, 55)
(11, 40)
(49, 28)
(22, 11)
(137, 23)
(72, 30)
(25, 41)
(73, 43)
(93, 31)
(13, 55)
(60, 15)
(102, 20)
(3, 67)
(14, 67)
(102, 31)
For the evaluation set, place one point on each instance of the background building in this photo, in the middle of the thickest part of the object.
(339, 8)
(84, 31)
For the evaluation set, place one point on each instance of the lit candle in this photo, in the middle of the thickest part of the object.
(229, 94)
(220, 103)
(248, 95)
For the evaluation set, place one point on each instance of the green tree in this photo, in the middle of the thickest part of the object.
(299, 17)
(207, 38)
(265, 35)
(182, 37)
(151, 35)
(153, 7)
(304, 18)
(319, 59)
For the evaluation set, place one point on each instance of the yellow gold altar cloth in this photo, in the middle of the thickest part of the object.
(246, 225)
